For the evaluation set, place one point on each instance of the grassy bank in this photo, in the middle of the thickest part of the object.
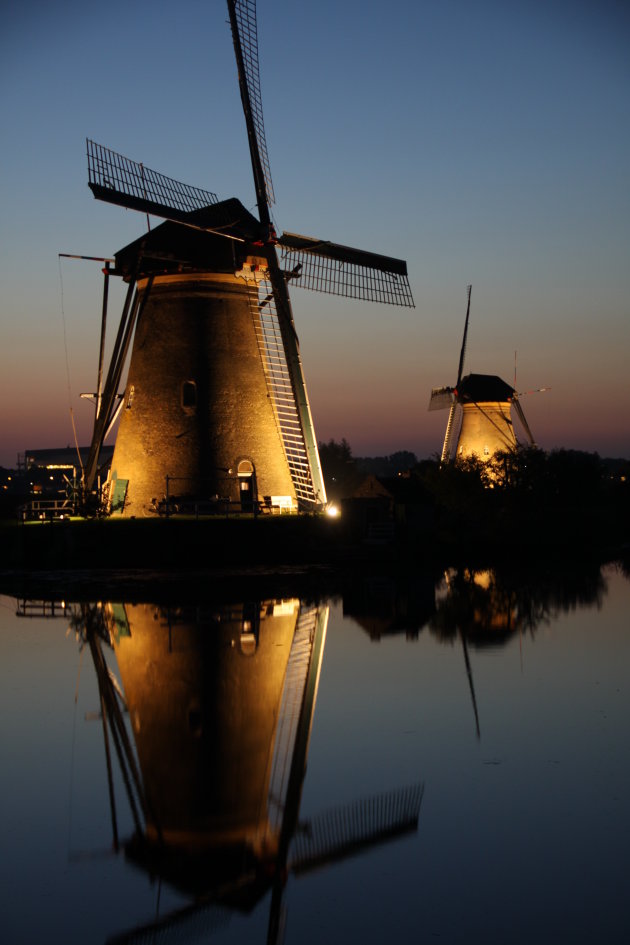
(440, 536)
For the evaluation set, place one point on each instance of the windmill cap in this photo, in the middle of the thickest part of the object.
(483, 388)
(200, 245)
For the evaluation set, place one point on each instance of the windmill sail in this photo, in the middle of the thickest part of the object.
(296, 709)
(119, 180)
(342, 270)
(324, 266)
(295, 424)
(191, 923)
(462, 353)
(108, 407)
(450, 437)
(245, 36)
(343, 832)
(521, 416)
(290, 399)
(442, 397)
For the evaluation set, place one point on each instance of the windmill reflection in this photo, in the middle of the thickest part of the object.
(478, 607)
(486, 605)
(489, 606)
(220, 702)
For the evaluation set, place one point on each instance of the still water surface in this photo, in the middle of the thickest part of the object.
(428, 761)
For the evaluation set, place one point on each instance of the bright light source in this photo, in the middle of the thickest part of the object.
(332, 511)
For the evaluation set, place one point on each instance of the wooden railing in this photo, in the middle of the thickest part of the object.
(46, 510)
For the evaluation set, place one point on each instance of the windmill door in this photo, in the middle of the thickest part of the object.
(247, 486)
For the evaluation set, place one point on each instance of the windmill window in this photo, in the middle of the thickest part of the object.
(248, 641)
(189, 395)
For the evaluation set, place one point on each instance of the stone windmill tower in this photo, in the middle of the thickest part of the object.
(480, 412)
(215, 402)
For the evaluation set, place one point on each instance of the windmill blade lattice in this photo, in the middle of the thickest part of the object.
(462, 354)
(299, 663)
(343, 832)
(273, 353)
(452, 431)
(245, 35)
(193, 923)
(521, 416)
(342, 270)
(441, 398)
(117, 179)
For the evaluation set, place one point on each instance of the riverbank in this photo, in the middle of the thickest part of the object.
(306, 542)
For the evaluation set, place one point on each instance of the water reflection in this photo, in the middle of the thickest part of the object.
(477, 607)
(196, 695)
(209, 725)
(486, 606)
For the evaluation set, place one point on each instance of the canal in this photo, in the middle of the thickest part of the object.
(439, 758)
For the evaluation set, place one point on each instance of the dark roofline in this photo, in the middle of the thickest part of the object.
(477, 388)
(65, 455)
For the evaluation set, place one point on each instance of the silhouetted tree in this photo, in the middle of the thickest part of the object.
(339, 468)
(574, 476)
(393, 465)
(520, 470)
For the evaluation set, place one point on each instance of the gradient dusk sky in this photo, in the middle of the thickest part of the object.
(484, 142)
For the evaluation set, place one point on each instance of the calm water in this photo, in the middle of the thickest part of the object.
(409, 761)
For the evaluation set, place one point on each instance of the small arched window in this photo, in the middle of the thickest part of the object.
(189, 395)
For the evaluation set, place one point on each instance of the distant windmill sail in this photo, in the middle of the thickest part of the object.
(462, 354)
(452, 431)
(443, 397)
(521, 416)
(450, 436)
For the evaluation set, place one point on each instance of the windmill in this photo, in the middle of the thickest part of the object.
(479, 418)
(215, 401)
(211, 733)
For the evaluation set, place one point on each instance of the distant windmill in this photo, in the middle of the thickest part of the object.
(479, 420)
(216, 398)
